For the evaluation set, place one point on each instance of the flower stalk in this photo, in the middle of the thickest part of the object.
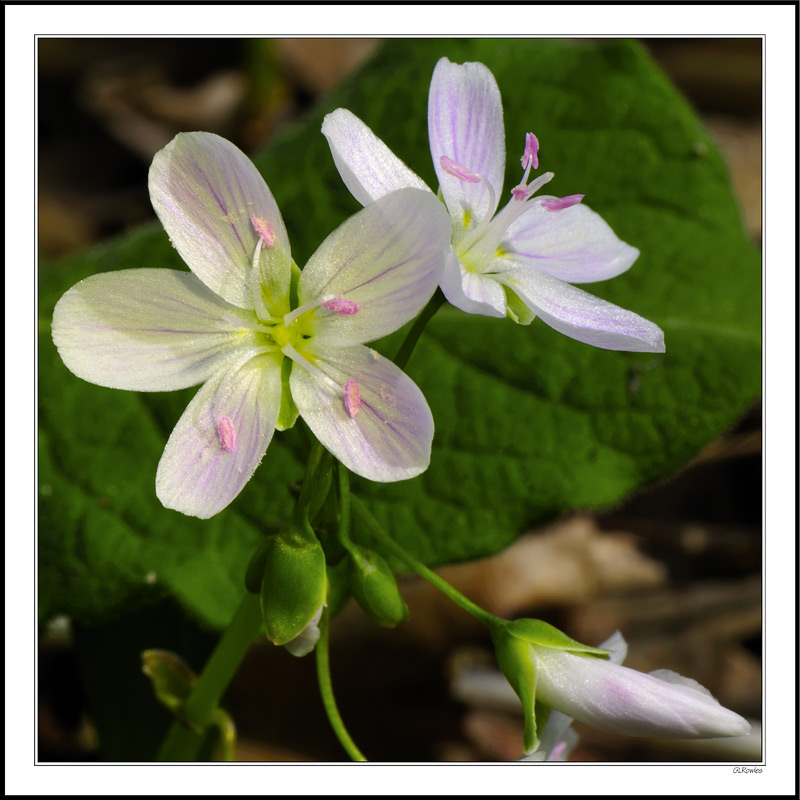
(326, 690)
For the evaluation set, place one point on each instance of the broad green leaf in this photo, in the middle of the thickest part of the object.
(529, 424)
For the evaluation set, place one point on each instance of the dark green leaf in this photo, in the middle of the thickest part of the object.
(529, 424)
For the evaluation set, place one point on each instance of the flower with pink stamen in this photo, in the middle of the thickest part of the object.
(519, 261)
(232, 323)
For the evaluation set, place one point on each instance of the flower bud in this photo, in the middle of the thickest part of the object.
(548, 670)
(373, 584)
(294, 584)
(172, 679)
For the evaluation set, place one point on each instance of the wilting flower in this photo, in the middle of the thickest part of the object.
(549, 670)
(521, 261)
(266, 341)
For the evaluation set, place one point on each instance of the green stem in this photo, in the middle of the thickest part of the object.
(181, 743)
(326, 690)
(434, 304)
(429, 575)
(315, 483)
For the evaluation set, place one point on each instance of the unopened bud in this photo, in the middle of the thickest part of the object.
(373, 584)
(293, 587)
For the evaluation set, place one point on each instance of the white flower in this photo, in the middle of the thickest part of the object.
(520, 261)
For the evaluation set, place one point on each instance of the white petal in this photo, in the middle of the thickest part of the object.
(583, 316)
(389, 436)
(307, 639)
(574, 244)
(205, 191)
(617, 648)
(221, 438)
(368, 167)
(622, 700)
(387, 259)
(465, 124)
(148, 330)
(470, 291)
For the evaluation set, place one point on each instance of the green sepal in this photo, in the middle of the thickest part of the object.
(294, 585)
(294, 280)
(537, 632)
(172, 679)
(516, 309)
(288, 414)
(375, 588)
(516, 662)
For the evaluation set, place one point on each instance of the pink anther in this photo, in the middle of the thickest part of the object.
(560, 203)
(462, 173)
(352, 397)
(341, 306)
(521, 192)
(263, 230)
(531, 155)
(227, 434)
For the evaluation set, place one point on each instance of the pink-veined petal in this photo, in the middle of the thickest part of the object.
(368, 167)
(221, 438)
(622, 700)
(147, 330)
(583, 316)
(470, 291)
(206, 192)
(575, 244)
(385, 434)
(386, 260)
(465, 125)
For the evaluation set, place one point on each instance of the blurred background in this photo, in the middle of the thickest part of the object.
(677, 568)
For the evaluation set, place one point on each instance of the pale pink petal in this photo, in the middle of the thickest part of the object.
(379, 268)
(206, 193)
(221, 438)
(471, 291)
(583, 316)
(148, 330)
(385, 435)
(465, 125)
(622, 700)
(574, 244)
(368, 167)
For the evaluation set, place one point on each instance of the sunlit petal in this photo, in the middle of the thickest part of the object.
(379, 268)
(574, 244)
(221, 438)
(583, 316)
(366, 411)
(207, 193)
(368, 167)
(465, 124)
(148, 330)
(470, 291)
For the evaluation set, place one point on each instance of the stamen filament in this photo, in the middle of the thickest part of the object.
(293, 315)
(255, 281)
(290, 352)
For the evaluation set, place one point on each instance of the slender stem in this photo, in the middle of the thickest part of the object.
(417, 566)
(227, 734)
(313, 483)
(326, 690)
(181, 743)
(434, 304)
